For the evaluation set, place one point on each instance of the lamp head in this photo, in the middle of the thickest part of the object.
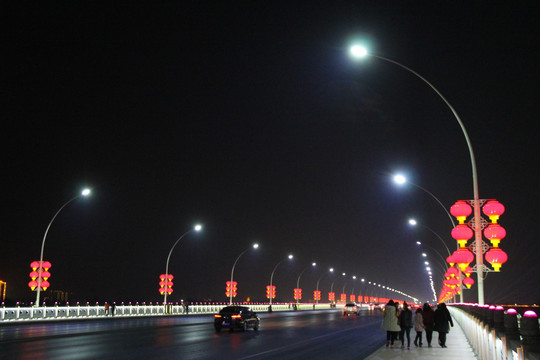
(197, 227)
(358, 51)
(255, 246)
(85, 192)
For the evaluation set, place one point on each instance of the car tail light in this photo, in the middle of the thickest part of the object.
(217, 316)
(236, 316)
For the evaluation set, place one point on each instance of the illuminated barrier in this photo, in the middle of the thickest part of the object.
(39, 275)
(530, 332)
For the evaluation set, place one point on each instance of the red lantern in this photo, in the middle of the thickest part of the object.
(450, 260)
(493, 209)
(297, 294)
(468, 282)
(45, 275)
(169, 291)
(162, 276)
(468, 271)
(170, 277)
(45, 284)
(331, 296)
(32, 284)
(463, 257)
(34, 275)
(452, 271)
(46, 265)
(34, 265)
(496, 257)
(495, 233)
(462, 233)
(316, 295)
(461, 210)
(271, 291)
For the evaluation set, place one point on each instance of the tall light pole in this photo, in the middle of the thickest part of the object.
(401, 179)
(195, 228)
(313, 264)
(359, 51)
(85, 192)
(273, 271)
(255, 246)
(331, 270)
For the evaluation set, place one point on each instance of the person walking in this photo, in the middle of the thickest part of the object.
(428, 315)
(442, 319)
(418, 327)
(390, 323)
(406, 324)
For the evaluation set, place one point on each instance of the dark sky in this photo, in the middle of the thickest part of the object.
(252, 119)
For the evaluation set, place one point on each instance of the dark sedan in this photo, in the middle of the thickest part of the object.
(236, 317)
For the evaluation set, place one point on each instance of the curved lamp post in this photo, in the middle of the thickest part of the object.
(313, 264)
(195, 228)
(85, 192)
(273, 271)
(413, 222)
(359, 52)
(255, 246)
(331, 270)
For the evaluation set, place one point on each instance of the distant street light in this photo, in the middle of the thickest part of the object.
(255, 246)
(196, 228)
(400, 179)
(360, 52)
(85, 193)
(272, 275)
(331, 270)
(313, 264)
(413, 222)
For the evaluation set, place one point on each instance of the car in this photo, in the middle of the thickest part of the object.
(236, 317)
(351, 309)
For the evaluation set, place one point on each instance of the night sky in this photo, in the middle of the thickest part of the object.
(252, 119)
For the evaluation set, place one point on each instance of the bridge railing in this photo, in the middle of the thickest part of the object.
(496, 333)
(30, 313)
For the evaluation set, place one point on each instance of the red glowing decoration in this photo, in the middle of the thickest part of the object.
(496, 257)
(331, 296)
(461, 210)
(468, 271)
(343, 297)
(530, 314)
(45, 275)
(231, 289)
(297, 294)
(450, 260)
(34, 275)
(33, 284)
(493, 209)
(463, 257)
(46, 265)
(271, 291)
(316, 295)
(468, 282)
(352, 298)
(462, 233)
(45, 284)
(34, 265)
(169, 291)
(495, 233)
(452, 271)
(165, 285)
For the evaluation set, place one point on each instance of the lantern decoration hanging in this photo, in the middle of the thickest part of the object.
(468, 282)
(450, 260)
(166, 284)
(496, 257)
(463, 257)
(493, 209)
(468, 271)
(39, 275)
(462, 233)
(316, 295)
(495, 233)
(271, 292)
(297, 294)
(231, 289)
(452, 271)
(461, 210)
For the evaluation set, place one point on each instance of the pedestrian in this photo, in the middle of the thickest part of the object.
(428, 315)
(113, 307)
(418, 327)
(390, 323)
(106, 308)
(442, 319)
(406, 324)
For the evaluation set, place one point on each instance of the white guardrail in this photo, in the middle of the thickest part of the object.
(488, 343)
(17, 314)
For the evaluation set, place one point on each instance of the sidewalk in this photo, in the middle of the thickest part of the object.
(456, 342)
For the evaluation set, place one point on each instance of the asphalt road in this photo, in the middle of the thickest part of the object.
(289, 335)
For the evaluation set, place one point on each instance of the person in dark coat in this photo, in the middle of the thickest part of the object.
(406, 324)
(429, 322)
(442, 319)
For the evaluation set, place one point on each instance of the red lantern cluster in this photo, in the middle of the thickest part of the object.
(271, 292)
(495, 233)
(297, 294)
(39, 275)
(331, 296)
(343, 297)
(316, 295)
(352, 298)
(165, 284)
(231, 289)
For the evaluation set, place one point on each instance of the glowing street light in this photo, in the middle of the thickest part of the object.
(84, 193)
(196, 228)
(254, 246)
(360, 52)
(413, 222)
(290, 257)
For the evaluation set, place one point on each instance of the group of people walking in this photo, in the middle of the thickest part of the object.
(398, 323)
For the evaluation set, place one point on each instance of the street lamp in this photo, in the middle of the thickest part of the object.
(400, 179)
(272, 276)
(196, 228)
(331, 270)
(359, 52)
(255, 246)
(413, 222)
(84, 193)
(313, 264)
